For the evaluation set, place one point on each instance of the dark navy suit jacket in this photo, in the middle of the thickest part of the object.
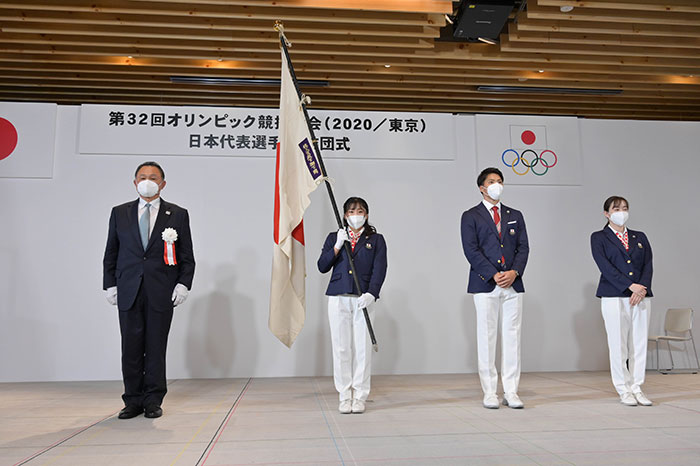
(484, 248)
(370, 263)
(620, 268)
(127, 266)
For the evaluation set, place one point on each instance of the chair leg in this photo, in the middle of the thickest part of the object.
(670, 355)
(695, 351)
(658, 362)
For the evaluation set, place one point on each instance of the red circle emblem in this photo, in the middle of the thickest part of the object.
(528, 137)
(8, 138)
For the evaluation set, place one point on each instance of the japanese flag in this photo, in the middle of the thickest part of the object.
(297, 175)
(528, 137)
(27, 136)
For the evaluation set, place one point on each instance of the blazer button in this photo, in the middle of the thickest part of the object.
(350, 272)
(501, 245)
(499, 261)
(629, 261)
(631, 273)
(144, 258)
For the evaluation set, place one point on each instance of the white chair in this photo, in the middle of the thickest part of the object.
(677, 327)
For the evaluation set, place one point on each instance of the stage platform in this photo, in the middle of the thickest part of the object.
(569, 418)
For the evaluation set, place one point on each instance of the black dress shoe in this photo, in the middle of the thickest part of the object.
(130, 411)
(153, 411)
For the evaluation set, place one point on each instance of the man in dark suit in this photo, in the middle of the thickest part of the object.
(148, 270)
(495, 242)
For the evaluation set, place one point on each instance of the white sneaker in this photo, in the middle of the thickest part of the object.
(628, 399)
(345, 407)
(358, 406)
(512, 400)
(491, 401)
(642, 399)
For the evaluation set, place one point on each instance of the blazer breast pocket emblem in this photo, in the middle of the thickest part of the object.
(368, 245)
(512, 232)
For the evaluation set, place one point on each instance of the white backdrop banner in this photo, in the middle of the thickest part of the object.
(252, 132)
(530, 149)
(27, 137)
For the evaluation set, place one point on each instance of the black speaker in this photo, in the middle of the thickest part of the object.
(482, 18)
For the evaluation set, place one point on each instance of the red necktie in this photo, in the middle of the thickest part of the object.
(497, 221)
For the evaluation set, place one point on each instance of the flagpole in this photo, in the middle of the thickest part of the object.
(338, 218)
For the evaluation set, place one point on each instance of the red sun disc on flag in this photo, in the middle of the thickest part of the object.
(528, 137)
(8, 138)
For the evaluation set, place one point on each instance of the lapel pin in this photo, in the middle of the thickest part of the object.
(368, 246)
(512, 232)
(639, 245)
(167, 212)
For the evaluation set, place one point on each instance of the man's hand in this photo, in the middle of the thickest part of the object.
(505, 279)
(180, 294)
(111, 294)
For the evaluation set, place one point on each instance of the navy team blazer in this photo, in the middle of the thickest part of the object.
(484, 249)
(620, 268)
(370, 263)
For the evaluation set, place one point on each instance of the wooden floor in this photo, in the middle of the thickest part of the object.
(569, 418)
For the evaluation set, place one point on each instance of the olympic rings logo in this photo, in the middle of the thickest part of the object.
(537, 160)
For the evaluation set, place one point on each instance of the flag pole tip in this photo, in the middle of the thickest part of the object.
(375, 347)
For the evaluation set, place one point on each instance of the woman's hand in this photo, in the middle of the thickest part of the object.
(638, 293)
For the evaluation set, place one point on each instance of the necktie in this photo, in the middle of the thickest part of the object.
(144, 225)
(497, 221)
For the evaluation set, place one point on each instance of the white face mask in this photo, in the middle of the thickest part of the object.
(619, 218)
(356, 221)
(147, 188)
(495, 191)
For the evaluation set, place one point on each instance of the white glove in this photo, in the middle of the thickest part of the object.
(340, 238)
(180, 294)
(111, 294)
(365, 300)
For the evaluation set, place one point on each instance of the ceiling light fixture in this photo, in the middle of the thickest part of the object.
(219, 59)
(540, 71)
(566, 8)
(224, 81)
(546, 90)
(486, 40)
(387, 66)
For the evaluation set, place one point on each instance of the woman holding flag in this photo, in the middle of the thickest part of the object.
(349, 336)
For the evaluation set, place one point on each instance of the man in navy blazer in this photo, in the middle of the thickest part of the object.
(145, 276)
(495, 243)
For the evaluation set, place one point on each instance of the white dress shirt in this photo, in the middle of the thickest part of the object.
(490, 206)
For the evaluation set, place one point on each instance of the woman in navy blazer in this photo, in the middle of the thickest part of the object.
(350, 339)
(625, 261)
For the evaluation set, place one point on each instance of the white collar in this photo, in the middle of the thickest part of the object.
(155, 203)
(490, 206)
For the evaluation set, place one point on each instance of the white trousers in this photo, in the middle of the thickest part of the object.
(352, 348)
(509, 305)
(628, 329)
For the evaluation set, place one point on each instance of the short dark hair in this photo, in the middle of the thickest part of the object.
(150, 164)
(486, 172)
(614, 201)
